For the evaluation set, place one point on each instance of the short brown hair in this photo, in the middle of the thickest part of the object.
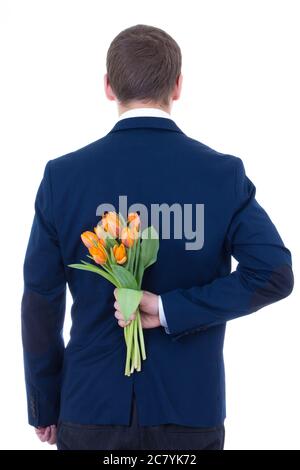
(143, 63)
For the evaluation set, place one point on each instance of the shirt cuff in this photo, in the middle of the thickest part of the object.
(162, 317)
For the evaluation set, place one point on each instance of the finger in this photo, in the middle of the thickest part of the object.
(115, 293)
(40, 431)
(50, 434)
(119, 315)
(47, 434)
(116, 306)
(123, 323)
(52, 438)
(44, 436)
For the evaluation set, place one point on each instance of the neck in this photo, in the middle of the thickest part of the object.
(140, 104)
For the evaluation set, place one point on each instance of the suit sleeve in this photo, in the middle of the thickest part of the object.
(263, 275)
(42, 311)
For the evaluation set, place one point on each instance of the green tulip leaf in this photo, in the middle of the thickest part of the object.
(149, 246)
(94, 269)
(125, 278)
(128, 300)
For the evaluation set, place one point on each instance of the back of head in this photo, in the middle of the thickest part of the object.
(143, 63)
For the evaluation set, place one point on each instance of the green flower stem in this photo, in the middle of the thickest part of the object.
(129, 348)
(132, 350)
(132, 249)
(136, 348)
(137, 256)
(138, 359)
(141, 335)
(126, 334)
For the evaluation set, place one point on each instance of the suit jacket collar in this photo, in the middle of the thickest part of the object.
(146, 122)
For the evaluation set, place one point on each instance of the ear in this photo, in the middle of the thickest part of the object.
(177, 88)
(107, 89)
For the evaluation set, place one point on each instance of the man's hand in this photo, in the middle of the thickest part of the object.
(148, 308)
(47, 434)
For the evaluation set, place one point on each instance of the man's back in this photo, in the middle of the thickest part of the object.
(151, 162)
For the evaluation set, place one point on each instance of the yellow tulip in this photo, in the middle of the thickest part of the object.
(111, 223)
(98, 253)
(134, 220)
(128, 235)
(119, 252)
(89, 239)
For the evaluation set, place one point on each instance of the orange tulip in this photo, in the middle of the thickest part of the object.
(128, 235)
(98, 253)
(101, 234)
(119, 252)
(134, 220)
(89, 239)
(111, 223)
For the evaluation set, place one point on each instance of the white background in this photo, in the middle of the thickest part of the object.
(240, 96)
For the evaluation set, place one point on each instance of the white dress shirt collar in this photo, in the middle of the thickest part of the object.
(139, 112)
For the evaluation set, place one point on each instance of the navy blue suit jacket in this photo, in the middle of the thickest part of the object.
(151, 160)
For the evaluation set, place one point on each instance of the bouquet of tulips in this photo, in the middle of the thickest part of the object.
(121, 253)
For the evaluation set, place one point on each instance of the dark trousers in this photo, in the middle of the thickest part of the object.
(72, 436)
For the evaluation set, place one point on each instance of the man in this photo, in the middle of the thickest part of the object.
(177, 401)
